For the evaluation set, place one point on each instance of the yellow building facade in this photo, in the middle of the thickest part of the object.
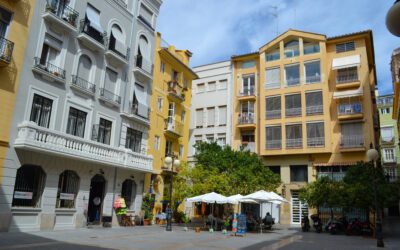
(15, 18)
(170, 113)
(307, 102)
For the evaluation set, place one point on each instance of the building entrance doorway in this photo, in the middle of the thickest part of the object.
(96, 196)
(298, 208)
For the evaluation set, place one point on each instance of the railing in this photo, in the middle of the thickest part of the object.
(174, 126)
(48, 67)
(272, 85)
(313, 79)
(387, 140)
(273, 144)
(316, 142)
(310, 49)
(6, 50)
(352, 141)
(144, 64)
(34, 137)
(350, 109)
(83, 84)
(134, 110)
(248, 92)
(293, 112)
(346, 77)
(176, 90)
(314, 110)
(273, 114)
(112, 48)
(294, 143)
(93, 33)
(292, 82)
(246, 118)
(249, 146)
(64, 12)
(121, 3)
(335, 176)
(110, 95)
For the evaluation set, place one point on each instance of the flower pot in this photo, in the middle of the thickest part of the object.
(146, 222)
(197, 229)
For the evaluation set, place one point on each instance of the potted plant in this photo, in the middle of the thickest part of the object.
(72, 18)
(225, 226)
(147, 207)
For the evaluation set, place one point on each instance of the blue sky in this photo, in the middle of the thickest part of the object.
(214, 30)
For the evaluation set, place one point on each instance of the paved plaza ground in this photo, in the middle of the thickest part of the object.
(155, 237)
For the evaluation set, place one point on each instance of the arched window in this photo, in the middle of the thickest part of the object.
(128, 192)
(84, 67)
(68, 187)
(143, 53)
(29, 186)
(117, 41)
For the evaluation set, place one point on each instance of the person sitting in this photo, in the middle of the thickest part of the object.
(268, 220)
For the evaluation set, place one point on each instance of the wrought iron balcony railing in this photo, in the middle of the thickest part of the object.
(6, 50)
(248, 92)
(293, 112)
(48, 67)
(273, 144)
(314, 110)
(273, 114)
(62, 11)
(346, 77)
(93, 33)
(352, 141)
(83, 84)
(246, 118)
(144, 64)
(111, 96)
(294, 143)
(350, 109)
(316, 142)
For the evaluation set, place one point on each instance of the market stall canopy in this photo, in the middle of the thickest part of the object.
(209, 198)
(348, 93)
(264, 196)
(234, 199)
(346, 62)
(277, 198)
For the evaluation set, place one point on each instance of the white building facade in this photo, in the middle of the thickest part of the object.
(80, 128)
(211, 109)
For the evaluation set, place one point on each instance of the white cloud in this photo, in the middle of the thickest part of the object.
(215, 30)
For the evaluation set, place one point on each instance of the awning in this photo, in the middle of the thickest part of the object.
(345, 62)
(119, 40)
(140, 95)
(348, 93)
(94, 18)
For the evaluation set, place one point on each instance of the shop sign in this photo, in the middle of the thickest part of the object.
(66, 196)
(23, 195)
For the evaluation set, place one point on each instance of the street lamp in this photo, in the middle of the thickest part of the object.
(170, 162)
(392, 19)
(373, 156)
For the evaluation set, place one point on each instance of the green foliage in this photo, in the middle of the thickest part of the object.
(147, 206)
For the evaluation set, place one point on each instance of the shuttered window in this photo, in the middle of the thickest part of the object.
(273, 107)
(274, 137)
(314, 103)
(272, 78)
(210, 117)
(315, 134)
(146, 14)
(199, 118)
(294, 136)
(222, 115)
(343, 47)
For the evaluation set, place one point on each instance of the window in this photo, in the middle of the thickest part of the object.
(84, 68)
(221, 139)
(347, 75)
(387, 134)
(299, 173)
(181, 151)
(248, 85)
(246, 116)
(168, 147)
(314, 103)
(5, 20)
(275, 169)
(273, 107)
(292, 49)
(160, 102)
(50, 56)
(273, 55)
(116, 41)
(162, 67)
(183, 116)
(133, 140)
(128, 192)
(311, 48)
(292, 75)
(343, 47)
(222, 84)
(171, 113)
(146, 15)
(352, 135)
(110, 82)
(247, 136)
(103, 131)
(312, 71)
(29, 186)
(199, 118)
(294, 136)
(143, 55)
(274, 137)
(175, 76)
(185, 84)
(210, 138)
(315, 134)
(68, 187)
(293, 105)
(200, 88)
(211, 86)
(272, 78)
(389, 155)
(41, 110)
(385, 111)
(248, 64)
(210, 117)
(157, 142)
(197, 139)
(222, 115)
(76, 122)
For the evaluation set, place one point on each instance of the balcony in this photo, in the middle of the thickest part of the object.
(35, 138)
(110, 97)
(273, 144)
(315, 110)
(272, 85)
(290, 112)
(247, 121)
(133, 114)
(248, 146)
(389, 140)
(48, 71)
(173, 128)
(292, 82)
(273, 114)
(121, 3)
(83, 86)
(313, 79)
(294, 143)
(90, 37)
(352, 142)
(61, 16)
(115, 57)
(176, 91)
(247, 94)
(335, 176)
(350, 111)
(6, 51)
(143, 67)
(347, 79)
(316, 142)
